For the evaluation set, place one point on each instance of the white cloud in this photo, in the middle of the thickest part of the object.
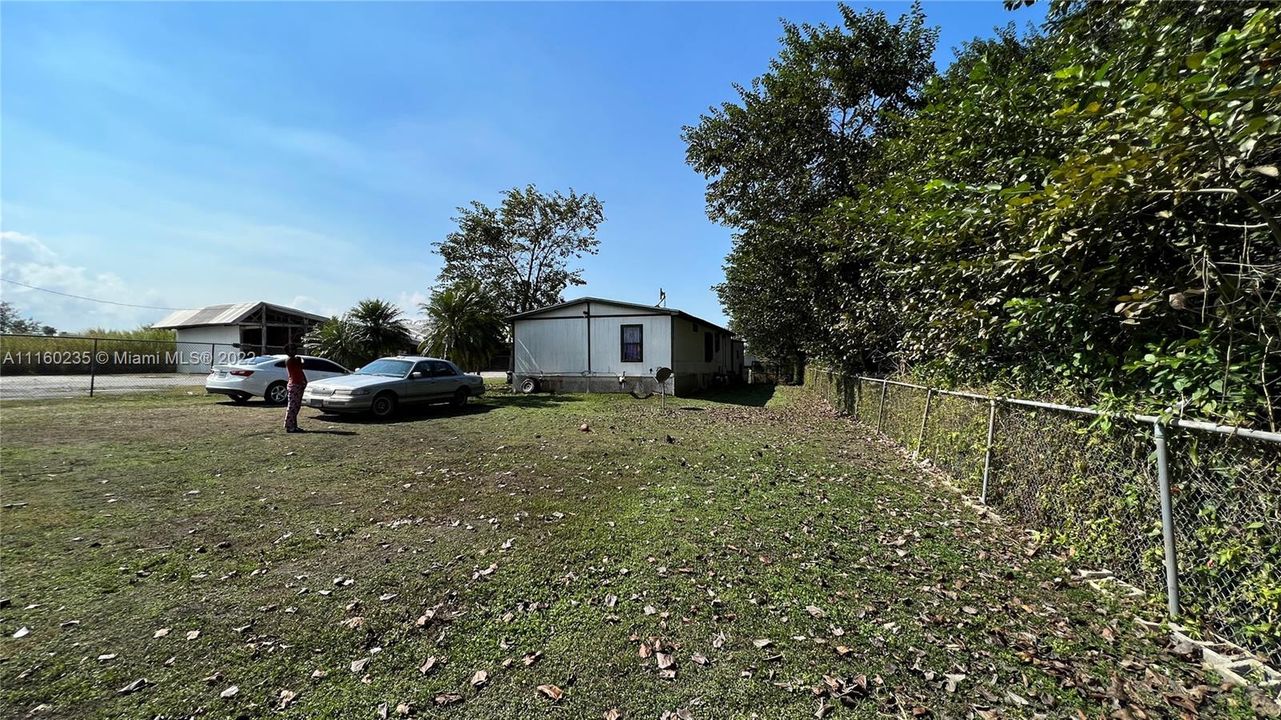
(26, 259)
(409, 302)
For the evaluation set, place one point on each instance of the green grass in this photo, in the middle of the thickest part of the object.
(135, 514)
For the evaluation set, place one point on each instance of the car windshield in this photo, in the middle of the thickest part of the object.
(390, 368)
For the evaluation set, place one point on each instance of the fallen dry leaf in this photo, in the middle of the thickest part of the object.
(552, 692)
(479, 679)
(229, 692)
(427, 666)
(287, 697)
(359, 665)
(158, 634)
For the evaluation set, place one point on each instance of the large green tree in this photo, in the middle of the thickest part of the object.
(803, 135)
(11, 321)
(521, 252)
(465, 325)
(1087, 211)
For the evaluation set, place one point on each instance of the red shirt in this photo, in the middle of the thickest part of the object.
(294, 366)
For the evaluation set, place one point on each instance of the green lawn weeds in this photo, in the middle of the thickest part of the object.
(747, 555)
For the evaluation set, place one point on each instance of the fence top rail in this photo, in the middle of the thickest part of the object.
(1264, 435)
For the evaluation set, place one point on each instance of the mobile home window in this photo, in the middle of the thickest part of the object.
(633, 341)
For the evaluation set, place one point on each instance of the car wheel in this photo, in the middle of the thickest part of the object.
(383, 406)
(529, 385)
(460, 397)
(240, 398)
(277, 393)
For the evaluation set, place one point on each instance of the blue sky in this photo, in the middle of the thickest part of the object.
(308, 154)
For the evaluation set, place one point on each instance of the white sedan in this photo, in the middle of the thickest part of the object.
(265, 376)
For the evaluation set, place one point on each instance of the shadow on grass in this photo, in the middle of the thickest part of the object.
(404, 414)
(252, 405)
(753, 395)
(309, 431)
(534, 400)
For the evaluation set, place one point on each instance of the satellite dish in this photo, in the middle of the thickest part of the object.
(661, 376)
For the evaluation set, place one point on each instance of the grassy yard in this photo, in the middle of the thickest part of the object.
(750, 555)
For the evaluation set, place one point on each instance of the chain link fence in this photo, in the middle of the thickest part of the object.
(1091, 484)
(59, 366)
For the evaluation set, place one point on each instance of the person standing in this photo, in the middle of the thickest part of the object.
(297, 383)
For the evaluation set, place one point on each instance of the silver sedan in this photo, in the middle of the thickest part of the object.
(384, 385)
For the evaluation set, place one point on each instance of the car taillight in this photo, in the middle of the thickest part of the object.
(242, 373)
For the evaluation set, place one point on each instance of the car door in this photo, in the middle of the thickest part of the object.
(419, 386)
(445, 380)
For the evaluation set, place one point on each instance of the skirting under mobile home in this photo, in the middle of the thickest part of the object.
(596, 345)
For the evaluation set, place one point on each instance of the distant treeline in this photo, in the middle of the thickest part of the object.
(145, 350)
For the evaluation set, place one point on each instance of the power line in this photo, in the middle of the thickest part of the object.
(82, 297)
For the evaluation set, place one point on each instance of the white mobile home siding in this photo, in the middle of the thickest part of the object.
(553, 347)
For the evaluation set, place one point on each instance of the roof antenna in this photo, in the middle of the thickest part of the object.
(662, 298)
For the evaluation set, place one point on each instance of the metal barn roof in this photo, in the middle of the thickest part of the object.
(647, 308)
(226, 315)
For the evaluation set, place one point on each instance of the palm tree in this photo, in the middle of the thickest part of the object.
(336, 339)
(370, 330)
(380, 328)
(466, 327)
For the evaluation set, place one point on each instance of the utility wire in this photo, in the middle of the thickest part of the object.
(82, 297)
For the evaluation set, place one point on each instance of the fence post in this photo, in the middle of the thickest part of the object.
(987, 453)
(93, 366)
(925, 418)
(880, 414)
(1167, 520)
(858, 393)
